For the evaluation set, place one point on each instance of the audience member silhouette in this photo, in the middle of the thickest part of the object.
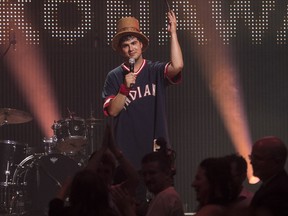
(238, 167)
(104, 160)
(157, 172)
(102, 164)
(89, 196)
(109, 159)
(214, 187)
(268, 158)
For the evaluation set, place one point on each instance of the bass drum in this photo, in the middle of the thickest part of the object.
(38, 179)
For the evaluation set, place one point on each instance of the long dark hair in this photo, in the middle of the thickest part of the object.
(89, 195)
(222, 187)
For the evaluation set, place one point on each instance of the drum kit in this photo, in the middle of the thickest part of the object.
(28, 181)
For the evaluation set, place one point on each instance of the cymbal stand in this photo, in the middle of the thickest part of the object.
(5, 189)
(91, 140)
(6, 51)
(91, 133)
(7, 173)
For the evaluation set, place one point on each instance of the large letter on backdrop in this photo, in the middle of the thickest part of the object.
(69, 33)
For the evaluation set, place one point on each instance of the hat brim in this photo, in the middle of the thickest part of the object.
(118, 36)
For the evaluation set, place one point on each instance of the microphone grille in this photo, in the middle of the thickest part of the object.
(131, 61)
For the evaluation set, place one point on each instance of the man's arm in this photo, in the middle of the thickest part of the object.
(116, 105)
(176, 57)
(118, 102)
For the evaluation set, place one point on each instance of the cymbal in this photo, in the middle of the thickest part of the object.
(93, 121)
(13, 116)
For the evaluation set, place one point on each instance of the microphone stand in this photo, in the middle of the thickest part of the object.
(12, 41)
(48, 174)
(6, 51)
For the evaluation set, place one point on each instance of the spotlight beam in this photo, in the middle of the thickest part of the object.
(29, 72)
(221, 77)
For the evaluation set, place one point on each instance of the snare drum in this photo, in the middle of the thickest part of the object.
(39, 178)
(70, 135)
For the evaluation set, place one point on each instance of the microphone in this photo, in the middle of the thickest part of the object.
(132, 63)
(131, 69)
(12, 38)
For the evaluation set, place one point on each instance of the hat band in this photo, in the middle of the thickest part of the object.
(129, 29)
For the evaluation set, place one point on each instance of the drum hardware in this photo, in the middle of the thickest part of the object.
(12, 153)
(49, 145)
(7, 193)
(17, 203)
(90, 124)
(13, 116)
(7, 173)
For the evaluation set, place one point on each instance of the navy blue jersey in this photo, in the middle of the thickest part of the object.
(143, 117)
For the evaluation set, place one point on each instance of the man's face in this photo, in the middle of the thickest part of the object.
(131, 48)
(154, 178)
(262, 163)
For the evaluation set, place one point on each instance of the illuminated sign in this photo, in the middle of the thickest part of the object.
(226, 16)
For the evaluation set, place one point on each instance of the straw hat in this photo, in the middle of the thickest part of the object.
(128, 26)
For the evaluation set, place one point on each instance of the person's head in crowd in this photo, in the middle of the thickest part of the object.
(157, 171)
(268, 157)
(238, 167)
(246, 211)
(107, 166)
(89, 194)
(160, 145)
(213, 183)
